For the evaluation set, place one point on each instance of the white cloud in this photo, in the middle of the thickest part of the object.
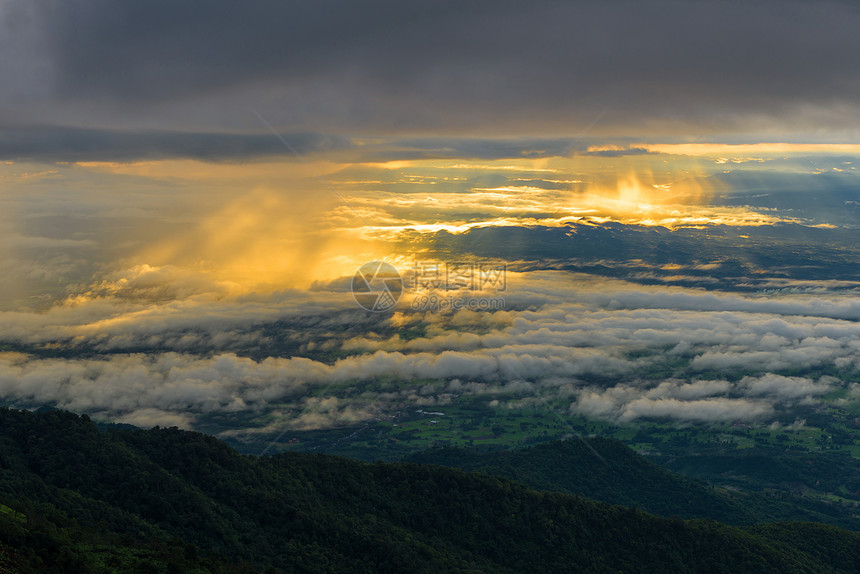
(701, 410)
(753, 398)
(784, 388)
(567, 334)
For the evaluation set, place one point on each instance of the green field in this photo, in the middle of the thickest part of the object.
(472, 423)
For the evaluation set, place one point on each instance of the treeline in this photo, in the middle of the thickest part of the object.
(184, 502)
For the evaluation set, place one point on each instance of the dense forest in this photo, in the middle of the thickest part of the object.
(607, 470)
(79, 499)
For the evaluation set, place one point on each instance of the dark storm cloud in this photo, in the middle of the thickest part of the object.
(75, 144)
(56, 143)
(474, 148)
(618, 152)
(387, 66)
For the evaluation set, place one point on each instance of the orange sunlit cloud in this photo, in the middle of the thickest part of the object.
(729, 149)
(271, 225)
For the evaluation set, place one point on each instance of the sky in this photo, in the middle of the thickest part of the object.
(188, 189)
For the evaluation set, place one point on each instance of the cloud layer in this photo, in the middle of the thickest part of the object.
(603, 348)
(382, 67)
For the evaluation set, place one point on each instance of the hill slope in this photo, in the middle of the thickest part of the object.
(315, 513)
(609, 471)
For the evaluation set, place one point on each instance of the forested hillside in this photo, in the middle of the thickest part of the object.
(77, 499)
(607, 470)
